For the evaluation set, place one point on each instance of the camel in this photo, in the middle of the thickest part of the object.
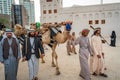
(60, 38)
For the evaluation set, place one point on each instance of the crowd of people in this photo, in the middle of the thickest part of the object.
(88, 46)
(10, 53)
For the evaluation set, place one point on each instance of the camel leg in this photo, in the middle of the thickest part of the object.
(53, 64)
(54, 56)
(57, 67)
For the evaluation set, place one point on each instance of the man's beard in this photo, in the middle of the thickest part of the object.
(97, 33)
(9, 37)
(32, 35)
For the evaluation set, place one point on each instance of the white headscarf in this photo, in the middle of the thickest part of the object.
(5, 35)
(8, 31)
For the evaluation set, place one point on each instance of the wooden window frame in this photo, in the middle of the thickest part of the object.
(103, 21)
(90, 22)
(50, 11)
(44, 12)
(96, 21)
(55, 11)
(48, 0)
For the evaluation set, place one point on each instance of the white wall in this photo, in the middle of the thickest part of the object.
(80, 15)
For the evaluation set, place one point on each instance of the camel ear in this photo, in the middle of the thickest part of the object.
(17, 27)
(63, 23)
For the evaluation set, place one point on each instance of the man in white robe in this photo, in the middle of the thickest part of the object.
(98, 59)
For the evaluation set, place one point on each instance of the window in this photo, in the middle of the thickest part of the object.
(96, 15)
(55, 10)
(103, 15)
(44, 11)
(49, 0)
(109, 14)
(50, 11)
(90, 22)
(96, 21)
(90, 16)
(116, 14)
(102, 21)
(76, 17)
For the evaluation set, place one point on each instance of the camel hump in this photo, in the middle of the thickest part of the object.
(46, 37)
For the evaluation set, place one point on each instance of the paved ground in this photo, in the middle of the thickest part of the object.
(69, 66)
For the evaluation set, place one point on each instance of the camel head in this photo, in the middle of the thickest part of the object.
(19, 30)
(33, 26)
(67, 26)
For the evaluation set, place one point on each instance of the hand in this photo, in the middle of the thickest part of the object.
(2, 62)
(42, 55)
(91, 55)
(104, 41)
(23, 59)
(103, 55)
(98, 56)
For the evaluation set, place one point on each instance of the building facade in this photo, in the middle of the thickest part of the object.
(5, 6)
(106, 16)
(19, 15)
(29, 6)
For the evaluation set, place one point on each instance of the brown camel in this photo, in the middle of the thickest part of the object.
(60, 37)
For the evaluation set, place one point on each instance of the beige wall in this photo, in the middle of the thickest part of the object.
(81, 15)
(24, 16)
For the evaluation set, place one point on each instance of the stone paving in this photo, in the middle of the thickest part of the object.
(69, 66)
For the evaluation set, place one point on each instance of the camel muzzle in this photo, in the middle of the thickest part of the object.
(68, 27)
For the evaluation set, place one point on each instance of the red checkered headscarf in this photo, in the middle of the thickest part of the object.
(84, 31)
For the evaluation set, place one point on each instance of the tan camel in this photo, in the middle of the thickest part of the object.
(59, 39)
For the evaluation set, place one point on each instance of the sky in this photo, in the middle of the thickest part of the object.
(68, 3)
